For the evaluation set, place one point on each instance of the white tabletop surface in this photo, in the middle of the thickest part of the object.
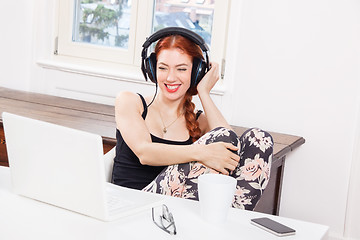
(23, 218)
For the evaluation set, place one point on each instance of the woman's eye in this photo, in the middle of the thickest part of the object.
(182, 69)
(162, 68)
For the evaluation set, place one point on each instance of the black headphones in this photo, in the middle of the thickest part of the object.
(200, 66)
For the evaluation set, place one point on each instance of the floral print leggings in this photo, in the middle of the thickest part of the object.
(252, 173)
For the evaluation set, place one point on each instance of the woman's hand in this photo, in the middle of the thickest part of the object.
(209, 80)
(219, 156)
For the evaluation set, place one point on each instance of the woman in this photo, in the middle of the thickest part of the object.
(163, 148)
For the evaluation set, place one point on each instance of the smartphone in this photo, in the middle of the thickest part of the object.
(272, 226)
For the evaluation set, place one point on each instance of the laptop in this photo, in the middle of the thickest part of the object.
(64, 167)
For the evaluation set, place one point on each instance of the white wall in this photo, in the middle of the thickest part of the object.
(292, 67)
(352, 229)
(298, 73)
(16, 43)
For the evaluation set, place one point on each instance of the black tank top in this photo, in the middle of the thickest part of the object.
(127, 170)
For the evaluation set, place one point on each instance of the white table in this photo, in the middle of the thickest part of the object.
(23, 218)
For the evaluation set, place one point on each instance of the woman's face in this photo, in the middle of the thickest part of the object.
(173, 73)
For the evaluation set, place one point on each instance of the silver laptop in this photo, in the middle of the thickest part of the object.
(65, 167)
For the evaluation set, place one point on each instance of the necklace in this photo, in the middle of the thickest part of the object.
(165, 129)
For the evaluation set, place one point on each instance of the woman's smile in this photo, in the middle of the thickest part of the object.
(171, 88)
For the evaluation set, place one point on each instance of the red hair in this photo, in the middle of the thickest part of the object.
(187, 106)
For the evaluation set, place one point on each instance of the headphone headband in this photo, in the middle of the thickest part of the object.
(176, 31)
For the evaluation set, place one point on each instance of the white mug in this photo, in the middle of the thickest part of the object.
(216, 193)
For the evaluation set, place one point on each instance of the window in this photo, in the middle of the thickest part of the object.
(102, 23)
(113, 31)
(198, 18)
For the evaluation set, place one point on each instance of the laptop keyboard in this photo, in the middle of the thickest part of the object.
(116, 201)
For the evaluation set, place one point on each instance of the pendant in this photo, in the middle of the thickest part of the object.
(164, 130)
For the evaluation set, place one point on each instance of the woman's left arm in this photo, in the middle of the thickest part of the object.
(213, 117)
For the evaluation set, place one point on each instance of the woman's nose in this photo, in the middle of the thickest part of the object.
(171, 75)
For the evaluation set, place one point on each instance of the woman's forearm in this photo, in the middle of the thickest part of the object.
(218, 156)
(213, 115)
(158, 154)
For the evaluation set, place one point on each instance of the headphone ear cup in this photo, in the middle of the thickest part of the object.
(198, 71)
(150, 63)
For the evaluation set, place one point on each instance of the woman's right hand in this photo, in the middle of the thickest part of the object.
(219, 156)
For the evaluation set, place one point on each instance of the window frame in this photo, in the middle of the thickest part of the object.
(127, 62)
